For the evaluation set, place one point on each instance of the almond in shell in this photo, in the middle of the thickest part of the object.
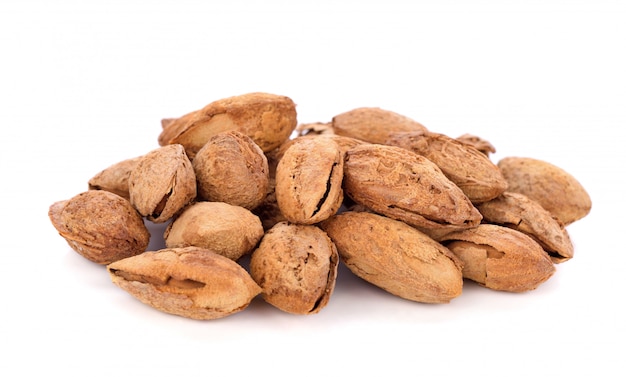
(229, 230)
(101, 226)
(296, 266)
(268, 119)
(395, 257)
(500, 258)
(231, 168)
(403, 185)
(549, 185)
(471, 170)
(190, 282)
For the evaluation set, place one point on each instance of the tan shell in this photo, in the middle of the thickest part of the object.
(474, 173)
(372, 124)
(165, 122)
(101, 226)
(296, 266)
(268, 119)
(114, 178)
(308, 180)
(231, 168)
(484, 146)
(395, 257)
(500, 258)
(162, 183)
(228, 230)
(344, 143)
(405, 186)
(518, 212)
(189, 282)
(552, 187)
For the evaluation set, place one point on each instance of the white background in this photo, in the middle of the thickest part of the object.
(84, 84)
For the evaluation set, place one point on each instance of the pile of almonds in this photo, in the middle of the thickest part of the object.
(411, 211)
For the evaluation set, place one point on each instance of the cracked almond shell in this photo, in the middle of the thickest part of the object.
(518, 212)
(162, 183)
(296, 266)
(189, 282)
(308, 180)
(101, 226)
(500, 258)
(268, 119)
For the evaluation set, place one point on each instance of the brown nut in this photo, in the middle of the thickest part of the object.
(231, 231)
(268, 119)
(189, 282)
(500, 258)
(518, 212)
(372, 124)
(296, 266)
(231, 168)
(405, 186)
(115, 178)
(552, 187)
(101, 226)
(162, 183)
(395, 257)
(308, 180)
(471, 170)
